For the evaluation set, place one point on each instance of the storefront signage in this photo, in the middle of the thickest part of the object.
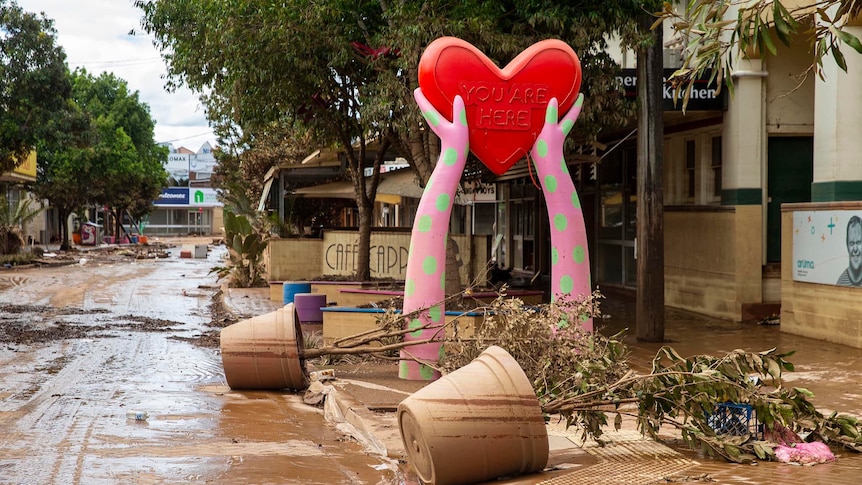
(173, 196)
(703, 94)
(190, 197)
(827, 247)
(28, 166)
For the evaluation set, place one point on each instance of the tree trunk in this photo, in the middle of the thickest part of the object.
(363, 256)
(118, 223)
(64, 229)
(453, 265)
(650, 224)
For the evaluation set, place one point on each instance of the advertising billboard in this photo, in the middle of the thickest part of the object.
(827, 247)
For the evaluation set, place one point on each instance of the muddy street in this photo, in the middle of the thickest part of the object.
(83, 344)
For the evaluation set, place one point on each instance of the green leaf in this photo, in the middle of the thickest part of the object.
(848, 39)
(767, 42)
(839, 58)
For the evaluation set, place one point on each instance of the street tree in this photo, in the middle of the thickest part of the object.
(33, 81)
(125, 154)
(92, 157)
(64, 171)
(284, 62)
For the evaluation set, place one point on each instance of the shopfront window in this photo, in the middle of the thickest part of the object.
(617, 217)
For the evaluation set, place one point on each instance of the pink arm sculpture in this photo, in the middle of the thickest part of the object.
(425, 281)
(570, 260)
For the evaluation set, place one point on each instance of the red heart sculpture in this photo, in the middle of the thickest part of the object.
(505, 108)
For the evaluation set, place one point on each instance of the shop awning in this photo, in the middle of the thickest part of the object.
(393, 185)
(332, 190)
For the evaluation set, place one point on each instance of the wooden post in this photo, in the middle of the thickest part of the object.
(650, 211)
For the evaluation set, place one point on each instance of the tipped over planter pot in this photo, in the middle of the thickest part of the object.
(264, 352)
(481, 422)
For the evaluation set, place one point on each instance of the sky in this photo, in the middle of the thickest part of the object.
(95, 35)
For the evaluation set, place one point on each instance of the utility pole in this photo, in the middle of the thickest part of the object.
(649, 245)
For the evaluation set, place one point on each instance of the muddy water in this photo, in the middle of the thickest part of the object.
(829, 370)
(82, 345)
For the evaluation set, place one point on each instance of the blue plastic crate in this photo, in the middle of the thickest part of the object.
(734, 419)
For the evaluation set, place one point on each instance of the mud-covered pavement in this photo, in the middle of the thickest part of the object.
(82, 344)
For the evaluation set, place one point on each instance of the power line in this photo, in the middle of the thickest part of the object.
(187, 137)
(115, 63)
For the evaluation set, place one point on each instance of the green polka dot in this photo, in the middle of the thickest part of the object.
(429, 184)
(442, 202)
(584, 317)
(424, 223)
(462, 117)
(432, 117)
(555, 256)
(542, 148)
(403, 369)
(467, 149)
(578, 254)
(566, 126)
(415, 323)
(435, 312)
(429, 265)
(576, 201)
(566, 284)
(563, 166)
(562, 324)
(425, 372)
(561, 222)
(551, 115)
(551, 183)
(443, 280)
(441, 353)
(450, 156)
(580, 101)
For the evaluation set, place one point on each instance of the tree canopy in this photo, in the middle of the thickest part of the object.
(346, 71)
(104, 154)
(33, 81)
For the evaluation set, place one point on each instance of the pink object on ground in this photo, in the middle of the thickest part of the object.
(804, 453)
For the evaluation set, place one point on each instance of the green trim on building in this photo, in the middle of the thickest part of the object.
(742, 197)
(836, 190)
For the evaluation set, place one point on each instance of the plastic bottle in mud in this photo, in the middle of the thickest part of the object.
(137, 415)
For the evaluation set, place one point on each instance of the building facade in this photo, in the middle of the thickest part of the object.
(190, 205)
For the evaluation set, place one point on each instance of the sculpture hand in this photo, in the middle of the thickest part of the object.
(425, 279)
(452, 133)
(570, 261)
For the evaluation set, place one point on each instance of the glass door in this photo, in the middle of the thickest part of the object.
(195, 222)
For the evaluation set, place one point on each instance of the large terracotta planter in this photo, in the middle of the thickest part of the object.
(264, 352)
(478, 423)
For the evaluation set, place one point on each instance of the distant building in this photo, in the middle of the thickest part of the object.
(12, 186)
(190, 204)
